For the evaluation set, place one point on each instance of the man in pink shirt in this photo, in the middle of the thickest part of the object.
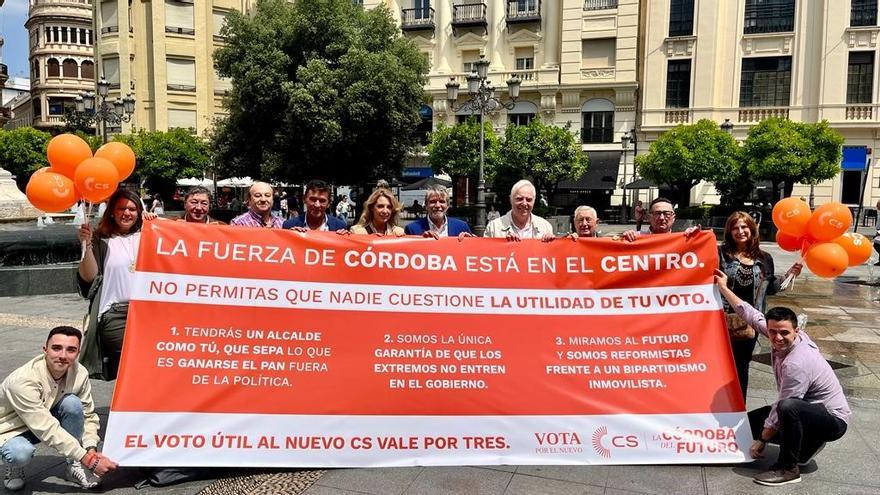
(811, 408)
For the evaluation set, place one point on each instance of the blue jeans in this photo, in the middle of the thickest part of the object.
(19, 450)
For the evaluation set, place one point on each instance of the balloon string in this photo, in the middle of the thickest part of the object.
(788, 282)
(86, 221)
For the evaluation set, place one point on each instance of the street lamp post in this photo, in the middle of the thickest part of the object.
(727, 126)
(96, 108)
(628, 137)
(481, 99)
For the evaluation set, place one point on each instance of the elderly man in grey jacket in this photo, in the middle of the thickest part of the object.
(49, 399)
(519, 223)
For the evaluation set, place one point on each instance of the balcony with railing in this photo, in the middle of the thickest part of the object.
(523, 11)
(676, 117)
(600, 4)
(469, 13)
(757, 114)
(529, 78)
(417, 19)
(859, 112)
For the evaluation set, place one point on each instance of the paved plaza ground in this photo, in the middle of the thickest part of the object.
(844, 321)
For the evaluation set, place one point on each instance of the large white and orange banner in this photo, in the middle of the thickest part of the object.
(255, 347)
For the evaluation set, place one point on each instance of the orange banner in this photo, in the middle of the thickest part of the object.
(356, 336)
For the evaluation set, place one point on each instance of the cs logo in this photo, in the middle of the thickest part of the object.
(603, 446)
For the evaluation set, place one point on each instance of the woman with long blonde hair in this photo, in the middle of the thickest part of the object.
(380, 215)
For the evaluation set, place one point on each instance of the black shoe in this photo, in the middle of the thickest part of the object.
(779, 477)
(811, 456)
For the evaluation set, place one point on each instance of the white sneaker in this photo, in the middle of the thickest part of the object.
(14, 479)
(76, 473)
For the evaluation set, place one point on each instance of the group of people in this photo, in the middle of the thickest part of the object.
(49, 398)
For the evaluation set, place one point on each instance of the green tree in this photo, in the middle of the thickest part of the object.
(164, 157)
(319, 88)
(22, 152)
(785, 152)
(546, 154)
(688, 154)
(455, 150)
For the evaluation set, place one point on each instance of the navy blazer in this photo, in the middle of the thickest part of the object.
(420, 226)
(333, 223)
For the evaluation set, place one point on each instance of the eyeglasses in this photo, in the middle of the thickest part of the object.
(665, 214)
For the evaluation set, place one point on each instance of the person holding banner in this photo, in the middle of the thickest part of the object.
(437, 224)
(811, 408)
(519, 223)
(661, 218)
(105, 277)
(49, 399)
(317, 199)
(259, 214)
(197, 205)
(750, 273)
(380, 215)
(585, 222)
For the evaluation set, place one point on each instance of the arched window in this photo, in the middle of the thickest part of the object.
(522, 113)
(598, 119)
(87, 70)
(52, 68)
(70, 69)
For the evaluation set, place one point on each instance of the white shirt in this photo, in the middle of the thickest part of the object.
(441, 231)
(527, 232)
(119, 270)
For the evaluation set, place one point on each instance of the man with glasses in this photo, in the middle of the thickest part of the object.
(197, 205)
(661, 216)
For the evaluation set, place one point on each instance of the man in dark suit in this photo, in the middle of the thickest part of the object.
(317, 199)
(437, 224)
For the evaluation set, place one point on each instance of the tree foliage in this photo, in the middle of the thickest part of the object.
(164, 157)
(455, 150)
(22, 152)
(688, 154)
(783, 151)
(319, 88)
(545, 154)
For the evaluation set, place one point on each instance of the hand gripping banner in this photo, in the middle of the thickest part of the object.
(255, 347)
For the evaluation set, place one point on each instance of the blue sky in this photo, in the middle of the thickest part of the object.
(13, 15)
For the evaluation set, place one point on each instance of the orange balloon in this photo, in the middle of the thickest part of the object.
(827, 259)
(857, 247)
(788, 242)
(41, 170)
(791, 216)
(65, 152)
(120, 155)
(829, 221)
(50, 192)
(96, 179)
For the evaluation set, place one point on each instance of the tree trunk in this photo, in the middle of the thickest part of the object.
(789, 187)
(775, 198)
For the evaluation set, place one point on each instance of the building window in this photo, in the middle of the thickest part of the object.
(860, 78)
(183, 119)
(82, 36)
(109, 17)
(598, 121)
(678, 84)
(522, 113)
(48, 34)
(863, 13)
(524, 58)
(599, 53)
(64, 34)
(179, 17)
(56, 36)
(87, 70)
(468, 58)
(219, 19)
(70, 69)
(57, 105)
(766, 82)
(181, 74)
(110, 71)
(426, 125)
(524, 6)
(35, 70)
(769, 16)
(681, 18)
(52, 68)
(90, 39)
(38, 110)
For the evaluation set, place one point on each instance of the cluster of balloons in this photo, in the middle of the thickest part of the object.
(821, 236)
(74, 173)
